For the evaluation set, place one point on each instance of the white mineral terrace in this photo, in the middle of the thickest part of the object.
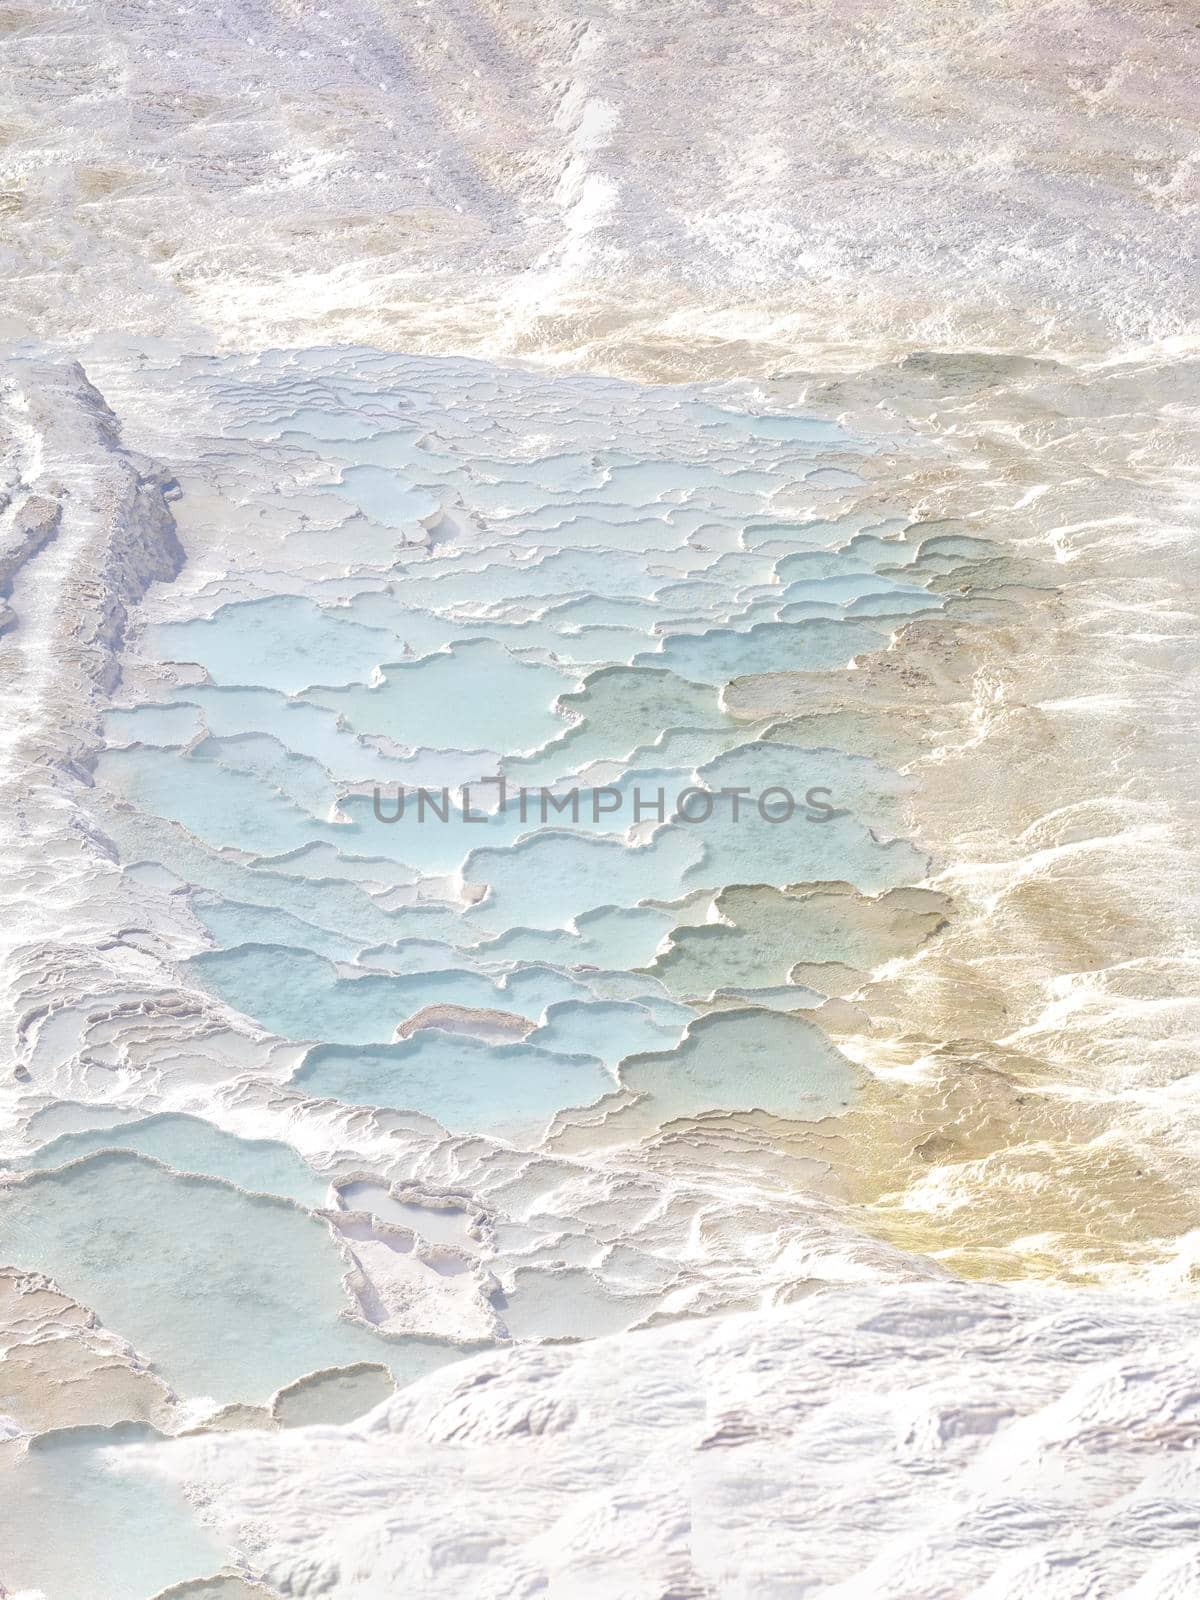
(598, 899)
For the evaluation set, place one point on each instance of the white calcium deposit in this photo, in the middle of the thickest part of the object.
(939, 1441)
(691, 398)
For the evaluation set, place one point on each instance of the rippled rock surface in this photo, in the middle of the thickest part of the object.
(992, 1443)
(411, 793)
(503, 863)
(597, 803)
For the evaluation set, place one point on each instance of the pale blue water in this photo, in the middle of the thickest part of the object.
(597, 573)
(233, 923)
(304, 728)
(385, 497)
(475, 697)
(757, 1060)
(190, 1145)
(718, 657)
(229, 1295)
(69, 1510)
(664, 572)
(301, 996)
(284, 643)
(214, 802)
(510, 1090)
(447, 1225)
(898, 603)
(621, 711)
(607, 937)
(175, 724)
(551, 877)
(303, 888)
(611, 1030)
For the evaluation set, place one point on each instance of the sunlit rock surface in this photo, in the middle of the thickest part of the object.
(668, 402)
(314, 1092)
(671, 189)
(992, 1443)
